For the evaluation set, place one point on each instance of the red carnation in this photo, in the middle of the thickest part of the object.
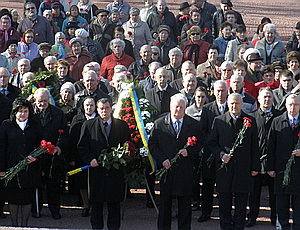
(192, 141)
(52, 29)
(247, 43)
(86, 10)
(284, 50)
(19, 55)
(43, 144)
(178, 37)
(84, 24)
(61, 131)
(299, 134)
(55, 54)
(41, 84)
(14, 71)
(140, 78)
(129, 33)
(12, 56)
(37, 34)
(32, 28)
(205, 30)
(69, 2)
(161, 16)
(23, 52)
(128, 103)
(246, 119)
(156, 43)
(248, 124)
(135, 139)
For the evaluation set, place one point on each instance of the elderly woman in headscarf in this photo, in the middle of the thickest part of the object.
(59, 49)
(67, 92)
(7, 32)
(195, 49)
(27, 47)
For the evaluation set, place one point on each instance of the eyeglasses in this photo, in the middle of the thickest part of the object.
(31, 8)
(195, 34)
(29, 37)
(103, 15)
(155, 53)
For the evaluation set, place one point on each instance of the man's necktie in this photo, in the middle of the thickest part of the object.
(177, 126)
(293, 123)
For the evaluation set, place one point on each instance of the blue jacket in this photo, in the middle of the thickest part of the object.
(222, 43)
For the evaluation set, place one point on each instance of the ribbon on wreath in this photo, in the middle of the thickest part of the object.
(140, 124)
(34, 88)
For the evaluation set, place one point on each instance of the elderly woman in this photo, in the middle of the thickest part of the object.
(87, 10)
(195, 19)
(270, 47)
(226, 70)
(12, 55)
(77, 58)
(62, 68)
(49, 63)
(27, 77)
(118, 57)
(74, 16)
(27, 47)
(7, 32)
(137, 31)
(67, 93)
(195, 49)
(87, 111)
(293, 62)
(92, 46)
(19, 136)
(59, 49)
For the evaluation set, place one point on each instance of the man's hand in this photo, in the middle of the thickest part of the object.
(94, 163)
(30, 159)
(226, 158)
(272, 173)
(57, 151)
(296, 153)
(254, 173)
(183, 152)
(166, 164)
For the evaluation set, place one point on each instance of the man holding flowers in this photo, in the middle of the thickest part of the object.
(234, 143)
(168, 145)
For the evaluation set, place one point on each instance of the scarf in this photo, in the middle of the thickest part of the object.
(3, 30)
(61, 51)
(194, 52)
(84, 9)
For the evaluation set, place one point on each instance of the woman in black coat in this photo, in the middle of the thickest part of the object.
(87, 112)
(19, 136)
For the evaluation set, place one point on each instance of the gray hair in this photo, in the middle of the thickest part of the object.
(116, 41)
(90, 73)
(222, 83)
(293, 96)
(41, 91)
(155, 63)
(49, 58)
(237, 75)
(134, 10)
(119, 68)
(81, 33)
(226, 63)
(179, 97)
(24, 59)
(30, 75)
(175, 50)
(59, 34)
(6, 70)
(235, 95)
(122, 75)
(47, 12)
(95, 64)
(269, 27)
(188, 75)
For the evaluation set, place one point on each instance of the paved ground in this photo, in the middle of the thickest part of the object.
(137, 216)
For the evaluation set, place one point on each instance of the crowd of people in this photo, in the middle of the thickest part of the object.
(202, 72)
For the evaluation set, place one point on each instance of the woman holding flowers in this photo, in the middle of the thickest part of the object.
(19, 136)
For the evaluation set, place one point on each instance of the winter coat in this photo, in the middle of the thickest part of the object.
(197, 56)
(231, 50)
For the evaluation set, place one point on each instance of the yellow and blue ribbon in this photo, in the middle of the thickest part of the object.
(34, 88)
(140, 124)
(78, 170)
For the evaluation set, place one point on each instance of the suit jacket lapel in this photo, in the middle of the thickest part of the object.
(102, 128)
(169, 125)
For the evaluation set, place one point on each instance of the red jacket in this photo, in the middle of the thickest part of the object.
(261, 84)
(249, 88)
(77, 64)
(110, 61)
(203, 51)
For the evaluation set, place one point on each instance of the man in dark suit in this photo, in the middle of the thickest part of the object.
(283, 138)
(216, 108)
(159, 96)
(7, 89)
(175, 127)
(234, 180)
(264, 117)
(104, 132)
(51, 120)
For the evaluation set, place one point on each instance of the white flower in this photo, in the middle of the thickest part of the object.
(145, 114)
(149, 126)
(143, 151)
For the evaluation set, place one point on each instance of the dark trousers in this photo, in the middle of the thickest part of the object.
(113, 217)
(165, 212)
(283, 212)
(207, 195)
(196, 181)
(151, 183)
(237, 221)
(254, 198)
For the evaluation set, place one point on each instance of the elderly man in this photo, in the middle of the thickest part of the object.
(175, 127)
(254, 61)
(104, 132)
(116, 83)
(282, 145)
(175, 57)
(264, 117)
(49, 63)
(51, 120)
(234, 179)
(216, 108)
(140, 69)
(236, 86)
(149, 82)
(37, 64)
(159, 96)
(23, 67)
(90, 81)
(7, 89)
(40, 25)
(101, 29)
(189, 82)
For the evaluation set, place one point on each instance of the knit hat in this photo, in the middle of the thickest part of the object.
(68, 85)
(12, 41)
(75, 40)
(81, 33)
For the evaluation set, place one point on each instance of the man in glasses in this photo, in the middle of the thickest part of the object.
(39, 24)
(101, 29)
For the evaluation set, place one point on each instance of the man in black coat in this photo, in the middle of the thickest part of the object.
(175, 128)
(159, 96)
(234, 179)
(264, 117)
(216, 108)
(283, 138)
(51, 120)
(7, 89)
(97, 134)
